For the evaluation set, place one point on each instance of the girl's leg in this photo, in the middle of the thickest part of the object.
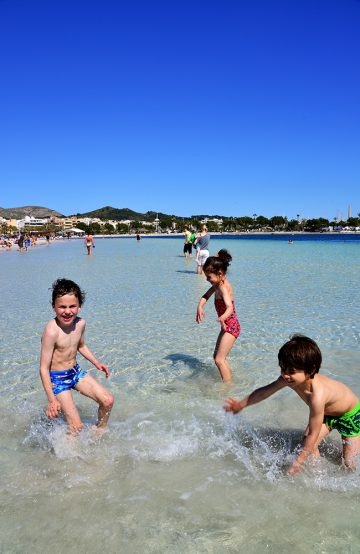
(351, 449)
(88, 386)
(223, 346)
(70, 412)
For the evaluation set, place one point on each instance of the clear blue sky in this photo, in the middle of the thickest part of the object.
(183, 106)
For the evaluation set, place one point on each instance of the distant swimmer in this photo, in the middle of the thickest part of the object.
(332, 404)
(291, 241)
(60, 373)
(138, 237)
(215, 269)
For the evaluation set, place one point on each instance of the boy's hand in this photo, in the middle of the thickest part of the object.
(104, 368)
(294, 469)
(232, 405)
(199, 315)
(53, 409)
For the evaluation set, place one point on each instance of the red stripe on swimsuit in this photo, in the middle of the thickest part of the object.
(232, 323)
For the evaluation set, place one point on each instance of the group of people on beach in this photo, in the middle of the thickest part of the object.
(332, 404)
(24, 241)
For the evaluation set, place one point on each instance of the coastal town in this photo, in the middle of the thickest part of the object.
(11, 228)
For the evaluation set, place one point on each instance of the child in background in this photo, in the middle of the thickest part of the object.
(63, 337)
(332, 404)
(215, 269)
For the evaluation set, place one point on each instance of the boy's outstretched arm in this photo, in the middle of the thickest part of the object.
(86, 352)
(254, 397)
(47, 349)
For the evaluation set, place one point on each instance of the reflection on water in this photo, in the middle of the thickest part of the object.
(175, 473)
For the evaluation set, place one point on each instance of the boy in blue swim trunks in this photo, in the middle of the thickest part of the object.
(332, 404)
(62, 338)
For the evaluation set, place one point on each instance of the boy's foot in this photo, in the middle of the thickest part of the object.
(97, 432)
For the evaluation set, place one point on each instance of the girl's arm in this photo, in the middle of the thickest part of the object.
(200, 312)
(88, 355)
(229, 306)
(254, 397)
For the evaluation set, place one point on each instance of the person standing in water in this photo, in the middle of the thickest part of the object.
(215, 269)
(89, 243)
(187, 242)
(202, 248)
(60, 373)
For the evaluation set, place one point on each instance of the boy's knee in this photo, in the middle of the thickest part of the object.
(108, 401)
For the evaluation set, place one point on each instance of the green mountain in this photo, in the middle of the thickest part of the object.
(117, 214)
(21, 212)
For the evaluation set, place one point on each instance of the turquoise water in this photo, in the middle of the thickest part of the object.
(175, 473)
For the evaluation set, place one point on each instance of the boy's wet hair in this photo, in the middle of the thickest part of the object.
(218, 264)
(61, 287)
(300, 352)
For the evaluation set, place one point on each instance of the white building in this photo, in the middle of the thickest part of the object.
(30, 221)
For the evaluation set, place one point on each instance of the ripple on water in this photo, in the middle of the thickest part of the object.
(175, 472)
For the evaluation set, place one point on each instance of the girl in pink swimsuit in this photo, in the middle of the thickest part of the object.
(215, 269)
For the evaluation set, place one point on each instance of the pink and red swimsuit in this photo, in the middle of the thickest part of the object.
(232, 323)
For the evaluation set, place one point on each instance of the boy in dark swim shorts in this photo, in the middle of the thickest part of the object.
(332, 404)
(60, 373)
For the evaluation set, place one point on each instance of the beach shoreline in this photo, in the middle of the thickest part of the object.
(217, 235)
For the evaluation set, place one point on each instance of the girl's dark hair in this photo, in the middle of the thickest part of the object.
(61, 287)
(225, 255)
(300, 352)
(219, 263)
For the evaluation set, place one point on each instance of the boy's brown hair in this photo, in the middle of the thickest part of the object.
(300, 352)
(64, 286)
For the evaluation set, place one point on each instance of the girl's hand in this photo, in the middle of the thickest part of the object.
(200, 315)
(222, 323)
(233, 405)
(104, 368)
(53, 409)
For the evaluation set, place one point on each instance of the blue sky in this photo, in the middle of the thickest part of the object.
(183, 107)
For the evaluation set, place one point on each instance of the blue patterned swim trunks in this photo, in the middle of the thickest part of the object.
(66, 380)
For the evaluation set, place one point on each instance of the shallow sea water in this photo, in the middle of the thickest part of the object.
(175, 473)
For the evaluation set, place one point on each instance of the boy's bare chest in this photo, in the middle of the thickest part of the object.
(68, 341)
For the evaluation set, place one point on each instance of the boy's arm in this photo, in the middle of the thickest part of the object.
(200, 312)
(229, 306)
(254, 397)
(86, 352)
(316, 419)
(47, 349)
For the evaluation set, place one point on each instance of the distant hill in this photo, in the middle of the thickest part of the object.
(105, 213)
(118, 214)
(21, 212)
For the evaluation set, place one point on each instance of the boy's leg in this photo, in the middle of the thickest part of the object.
(351, 449)
(88, 386)
(223, 346)
(70, 412)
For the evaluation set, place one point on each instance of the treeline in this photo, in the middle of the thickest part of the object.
(230, 224)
